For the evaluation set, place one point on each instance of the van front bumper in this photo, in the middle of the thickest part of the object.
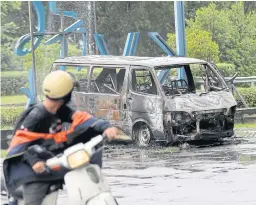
(204, 135)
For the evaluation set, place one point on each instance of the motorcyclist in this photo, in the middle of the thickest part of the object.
(42, 125)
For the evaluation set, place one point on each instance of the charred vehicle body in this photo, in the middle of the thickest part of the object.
(128, 92)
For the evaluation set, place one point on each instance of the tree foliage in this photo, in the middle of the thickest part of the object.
(199, 44)
(45, 56)
(14, 19)
(117, 18)
(223, 32)
(8, 34)
(228, 32)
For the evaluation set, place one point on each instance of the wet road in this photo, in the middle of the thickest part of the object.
(214, 175)
(223, 175)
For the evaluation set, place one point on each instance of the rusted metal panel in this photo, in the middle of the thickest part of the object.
(100, 105)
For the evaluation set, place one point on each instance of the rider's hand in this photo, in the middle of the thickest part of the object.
(111, 133)
(39, 167)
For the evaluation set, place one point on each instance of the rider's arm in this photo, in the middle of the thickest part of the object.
(98, 125)
(81, 122)
(31, 158)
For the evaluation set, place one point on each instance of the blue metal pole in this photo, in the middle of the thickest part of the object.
(101, 44)
(84, 44)
(131, 43)
(64, 51)
(128, 44)
(180, 33)
(30, 92)
(161, 43)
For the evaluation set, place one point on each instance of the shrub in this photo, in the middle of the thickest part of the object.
(249, 95)
(227, 69)
(12, 85)
(9, 115)
(11, 82)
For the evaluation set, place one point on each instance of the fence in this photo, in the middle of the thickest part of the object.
(250, 80)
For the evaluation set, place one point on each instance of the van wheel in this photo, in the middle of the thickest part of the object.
(143, 135)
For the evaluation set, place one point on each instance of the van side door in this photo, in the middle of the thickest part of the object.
(144, 100)
(106, 90)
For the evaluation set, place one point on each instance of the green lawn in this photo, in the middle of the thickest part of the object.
(15, 99)
(3, 153)
(246, 125)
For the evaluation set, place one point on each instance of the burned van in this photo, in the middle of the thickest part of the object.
(146, 98)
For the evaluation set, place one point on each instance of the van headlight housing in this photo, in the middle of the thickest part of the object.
(181, 117)
(78, 159)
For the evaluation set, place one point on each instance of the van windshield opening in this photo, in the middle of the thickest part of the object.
(196, 78)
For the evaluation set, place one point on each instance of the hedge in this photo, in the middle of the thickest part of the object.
(249, 95)
(9, 115)
(11, 82)
(12, 85)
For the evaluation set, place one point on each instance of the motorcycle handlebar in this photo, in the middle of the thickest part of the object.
(96, 144)
(104, 138)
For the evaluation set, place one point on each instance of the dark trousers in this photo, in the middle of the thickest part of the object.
(34, 193)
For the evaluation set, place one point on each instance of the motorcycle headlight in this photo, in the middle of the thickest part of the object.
(78, 159)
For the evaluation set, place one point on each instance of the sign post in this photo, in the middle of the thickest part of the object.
(33, 51)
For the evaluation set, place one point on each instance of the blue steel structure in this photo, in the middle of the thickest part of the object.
(161, 43)
(163, 74)
(131, 44)
(101, 44)
(29, 92)
(59, 37)
(77, 27)
(180, 33)
(71, 28)
(19, 49)
(54, 10)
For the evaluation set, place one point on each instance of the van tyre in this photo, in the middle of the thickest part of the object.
(142, 135)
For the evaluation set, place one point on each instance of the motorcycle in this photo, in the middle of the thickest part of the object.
(84, 181)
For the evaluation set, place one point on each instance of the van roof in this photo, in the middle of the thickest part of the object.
(130, 60)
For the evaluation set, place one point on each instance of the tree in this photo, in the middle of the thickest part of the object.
(45, 55)
(233, 30)
(199, 44)
(215, 22)
(115, 19)
(8, 35)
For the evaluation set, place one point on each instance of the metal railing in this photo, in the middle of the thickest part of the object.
(251, 80)
(231, 81)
